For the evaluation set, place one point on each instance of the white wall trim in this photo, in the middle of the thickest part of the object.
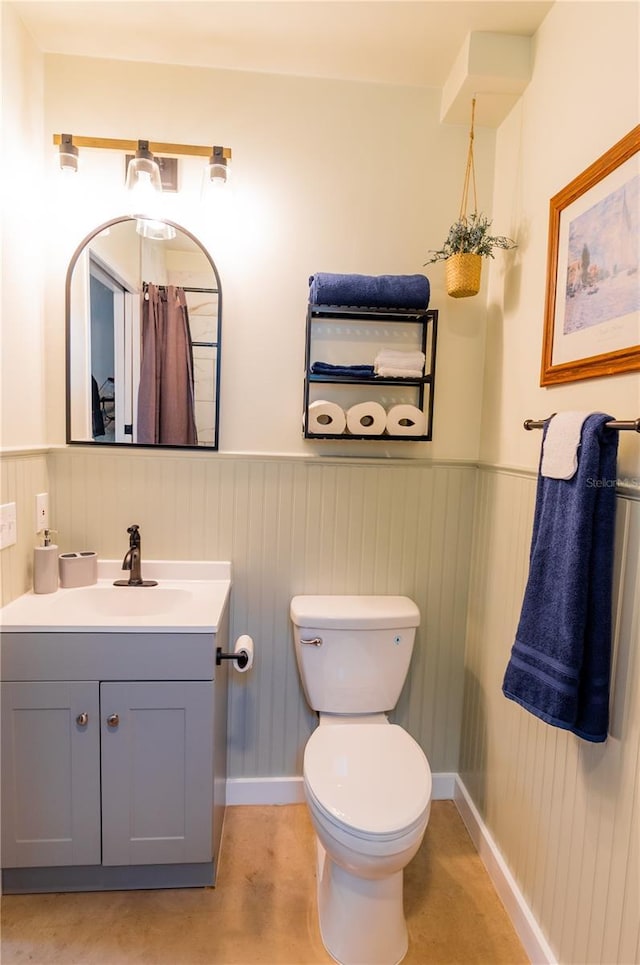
(289, 790)
(522, 918)
(265, 790)
(626, 485)
(8, 452)
(108, 451)
(443, 788)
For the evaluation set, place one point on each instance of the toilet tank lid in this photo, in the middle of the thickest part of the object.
(354, 612)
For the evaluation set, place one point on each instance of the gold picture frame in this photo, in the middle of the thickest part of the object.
(592, 309)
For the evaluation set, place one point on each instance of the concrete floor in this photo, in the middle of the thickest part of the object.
(262, 911)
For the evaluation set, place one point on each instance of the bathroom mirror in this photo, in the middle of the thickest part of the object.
(143, 317)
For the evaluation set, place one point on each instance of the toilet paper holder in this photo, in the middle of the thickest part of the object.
(242, 657)
(242, 654)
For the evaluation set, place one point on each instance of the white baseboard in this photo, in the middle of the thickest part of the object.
(289, 790)
(522, 919)
(443, 786)
(265, 790)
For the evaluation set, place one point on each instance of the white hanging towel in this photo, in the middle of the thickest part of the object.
(561, 444)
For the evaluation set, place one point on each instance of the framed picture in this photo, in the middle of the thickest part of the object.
(592, 311)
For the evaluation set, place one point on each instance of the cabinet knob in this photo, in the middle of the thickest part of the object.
(113, 720)
(82, 720)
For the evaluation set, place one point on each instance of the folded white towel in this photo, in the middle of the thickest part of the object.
(561, 444)
(400, 360)
(392, 364)
(388, 372)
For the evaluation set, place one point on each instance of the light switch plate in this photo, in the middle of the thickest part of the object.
(8, 525)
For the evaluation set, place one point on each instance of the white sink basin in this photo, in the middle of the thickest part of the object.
(189, 597)
(107, 600)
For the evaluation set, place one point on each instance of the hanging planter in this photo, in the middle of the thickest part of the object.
(462, 272)
(469, 240)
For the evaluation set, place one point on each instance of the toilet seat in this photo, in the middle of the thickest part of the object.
(372, 780)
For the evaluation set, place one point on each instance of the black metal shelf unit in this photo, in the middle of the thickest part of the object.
(427, 319)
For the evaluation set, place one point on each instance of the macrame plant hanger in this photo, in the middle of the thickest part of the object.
(462, 270)
(470, 172)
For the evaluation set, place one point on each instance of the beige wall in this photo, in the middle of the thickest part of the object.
(22, 360)
(327, 176)
(583, 97)
(564, 814)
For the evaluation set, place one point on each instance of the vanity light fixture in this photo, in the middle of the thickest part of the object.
(144, 187)
(216, 169)
(214, 175)
(68, 154)
(143, 174)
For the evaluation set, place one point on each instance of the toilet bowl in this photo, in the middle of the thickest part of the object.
(367, 782)
(368, 790)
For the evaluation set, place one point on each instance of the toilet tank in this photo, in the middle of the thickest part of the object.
(353, 652)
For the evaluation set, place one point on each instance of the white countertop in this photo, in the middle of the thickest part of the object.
(190, 598)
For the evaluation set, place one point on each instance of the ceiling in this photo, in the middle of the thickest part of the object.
(380, 41)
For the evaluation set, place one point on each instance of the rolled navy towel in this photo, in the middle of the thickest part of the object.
(369, 291)
(356, 371)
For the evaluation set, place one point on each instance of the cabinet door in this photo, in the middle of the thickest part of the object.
(157, 780)
(50, 774)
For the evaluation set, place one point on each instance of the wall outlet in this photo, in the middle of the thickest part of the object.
(42, 512)
(8, 525)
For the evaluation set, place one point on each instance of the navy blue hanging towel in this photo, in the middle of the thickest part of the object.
(559, 667)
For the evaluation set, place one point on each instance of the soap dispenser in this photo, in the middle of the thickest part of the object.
(45, 565)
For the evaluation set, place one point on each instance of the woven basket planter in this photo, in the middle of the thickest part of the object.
(462, 273)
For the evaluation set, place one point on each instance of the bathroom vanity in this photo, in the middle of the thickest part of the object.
(114, 732)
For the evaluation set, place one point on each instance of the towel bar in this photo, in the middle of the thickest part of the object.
(632, 424)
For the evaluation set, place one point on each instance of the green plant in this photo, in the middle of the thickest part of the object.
(470, 235)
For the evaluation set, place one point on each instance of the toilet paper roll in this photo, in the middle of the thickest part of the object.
(327, 417)
(366, 418)
(406, 420)
(244, 644)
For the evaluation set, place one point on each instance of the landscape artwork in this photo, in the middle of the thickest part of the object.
(592, 308)
(603, 255)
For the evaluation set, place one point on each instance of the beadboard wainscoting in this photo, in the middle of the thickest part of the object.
(559, 816)
(23, 474)
(564, 814)
(289, 526)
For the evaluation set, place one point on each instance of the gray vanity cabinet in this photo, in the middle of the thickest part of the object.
(147, 744)
(50, 773)
(117, 781)
(156, 766)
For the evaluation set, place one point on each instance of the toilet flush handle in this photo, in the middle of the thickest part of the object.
(313, 642)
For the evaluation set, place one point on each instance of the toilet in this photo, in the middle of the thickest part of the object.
(367, 782)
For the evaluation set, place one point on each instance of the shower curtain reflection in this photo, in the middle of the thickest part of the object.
(166, 391)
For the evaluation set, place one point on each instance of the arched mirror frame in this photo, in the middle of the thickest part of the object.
(68, 335)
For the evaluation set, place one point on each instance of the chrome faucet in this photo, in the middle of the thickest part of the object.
(133, 561)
